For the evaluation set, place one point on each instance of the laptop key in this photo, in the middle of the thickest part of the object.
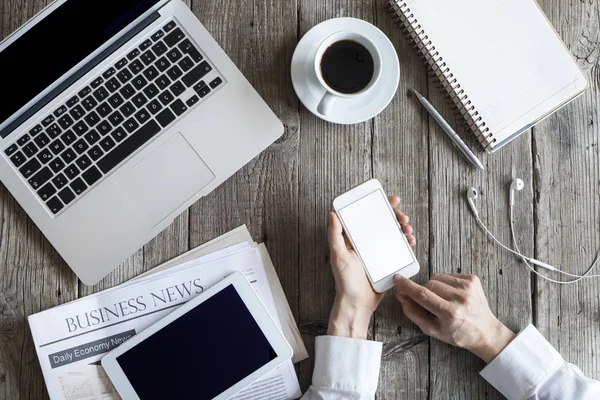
(101, 94)
(91, 176)
(60, 111)
(56, 165)
(165, 117)
(68, 156)
(107, 143)
(166, 97)
(54, 205)
(139, 82)
(185, 46)
(80, 146)
(89, 103)
(157, 35)
(145, 45)
(65, 122)
(30, 168)
(196, 74)
(121, 63)
(66, 195)
(133, 54)
(192, 100)
(154, 106)
(104, 128)
(163, 82)
(174, 37)
(95, 153)
(78, 186)
(139, 100)
(115, 100)
(97, 82)
(68, 137)
(195, 54)
(178, 107)
(46, 191)
(57, 147)
(127, 109)
(131, 125)
(48, 120)
(35, 130)
(23, 139)
(159, 49)
(177, 88)
(60, 181)
(174, 55)
(150, 73)
(174, 72)
(116, 118)
(45, 156)
(84, 92)
(18, 159)
(42, 140)
(113, 85)
(72, 101)
(136, 67)
(186, 64)
(203, 91)
(77, 112)
(83, 162)
(148, 57)
(124, 76)
(127, 91)
(162, 64)
(92, 119)
(168, 27)
(151, 91)
(53, 131)
(39, 179)
(109, 72)
(71, 171)
(103, 110)
(11, 149)
(119, 134)
(216, 82)
(80, 128)
(92, 137)
(128, 146)
(30, 149)
(142, 116)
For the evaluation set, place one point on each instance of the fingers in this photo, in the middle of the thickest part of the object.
(402, 218)
(459, 281)
(422, 296)
(442, 289)
(417, 314)
(407, 229)
(335, 234)
(394, 201)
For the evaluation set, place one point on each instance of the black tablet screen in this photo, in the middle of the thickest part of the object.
(201, 354)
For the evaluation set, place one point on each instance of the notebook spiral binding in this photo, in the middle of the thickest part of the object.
(438, 68)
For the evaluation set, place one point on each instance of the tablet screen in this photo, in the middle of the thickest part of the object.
(201, 354)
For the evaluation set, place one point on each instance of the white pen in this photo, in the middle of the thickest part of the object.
(456, 140)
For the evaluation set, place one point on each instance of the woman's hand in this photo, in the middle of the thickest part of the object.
(355, 300)
(453, 309)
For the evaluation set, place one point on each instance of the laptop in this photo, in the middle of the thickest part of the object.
(117, 116)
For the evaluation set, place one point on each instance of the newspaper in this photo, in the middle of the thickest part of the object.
(71, 339)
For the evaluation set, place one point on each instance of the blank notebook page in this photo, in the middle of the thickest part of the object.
(505, 55)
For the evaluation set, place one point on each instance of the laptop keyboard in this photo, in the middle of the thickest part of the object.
(112, 117)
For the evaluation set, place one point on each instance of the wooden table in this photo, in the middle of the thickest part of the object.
(283, 196)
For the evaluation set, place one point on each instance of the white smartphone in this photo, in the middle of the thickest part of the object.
(376, 236)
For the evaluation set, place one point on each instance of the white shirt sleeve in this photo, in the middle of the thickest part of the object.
(345, 369)
(530, 368)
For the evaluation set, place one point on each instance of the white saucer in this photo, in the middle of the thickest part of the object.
(345, 111)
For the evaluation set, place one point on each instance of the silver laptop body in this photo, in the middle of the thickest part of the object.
(106, 154)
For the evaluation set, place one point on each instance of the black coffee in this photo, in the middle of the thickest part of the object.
(347, 66)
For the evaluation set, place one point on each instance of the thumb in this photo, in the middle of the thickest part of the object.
(337, 243)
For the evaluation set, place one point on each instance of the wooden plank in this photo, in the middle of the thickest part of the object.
(400, 162)
(459, 245)
(260, 37)
(333, 159)
(567, 197)
(33, 277)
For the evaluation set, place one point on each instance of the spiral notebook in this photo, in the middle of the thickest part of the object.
(500, 62)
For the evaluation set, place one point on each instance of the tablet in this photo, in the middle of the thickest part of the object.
(210, 348)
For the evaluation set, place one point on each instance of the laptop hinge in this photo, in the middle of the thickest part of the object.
(78, 74)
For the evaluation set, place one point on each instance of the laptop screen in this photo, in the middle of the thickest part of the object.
(59, 42)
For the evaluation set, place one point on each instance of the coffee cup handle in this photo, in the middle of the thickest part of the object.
(326, 103)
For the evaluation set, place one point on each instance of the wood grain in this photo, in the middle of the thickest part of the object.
(567, 196)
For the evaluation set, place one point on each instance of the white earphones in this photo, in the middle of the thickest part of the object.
(516, 186)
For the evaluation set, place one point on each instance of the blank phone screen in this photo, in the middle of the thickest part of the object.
(376, 236)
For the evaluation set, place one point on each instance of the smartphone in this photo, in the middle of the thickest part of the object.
(375, 234)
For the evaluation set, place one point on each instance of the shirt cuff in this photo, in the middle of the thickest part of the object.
(347, 364)
(522, 365)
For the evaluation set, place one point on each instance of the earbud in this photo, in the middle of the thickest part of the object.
(472, 195)
(516, 185)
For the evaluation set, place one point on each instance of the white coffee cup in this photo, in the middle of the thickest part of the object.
(331, 95)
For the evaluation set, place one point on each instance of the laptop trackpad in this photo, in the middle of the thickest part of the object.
(165, 179)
